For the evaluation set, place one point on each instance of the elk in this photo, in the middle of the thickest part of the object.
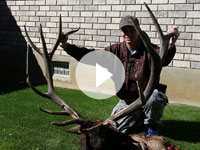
(100, 135)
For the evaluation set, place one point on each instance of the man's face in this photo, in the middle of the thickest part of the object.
(129, 34)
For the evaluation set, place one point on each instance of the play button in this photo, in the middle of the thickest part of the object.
(100, 74)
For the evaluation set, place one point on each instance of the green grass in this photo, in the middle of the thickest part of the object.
(24, 127)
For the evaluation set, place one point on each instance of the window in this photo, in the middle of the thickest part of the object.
(61, 68)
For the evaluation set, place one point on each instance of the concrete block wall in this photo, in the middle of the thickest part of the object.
(99, 27)
(98, 20)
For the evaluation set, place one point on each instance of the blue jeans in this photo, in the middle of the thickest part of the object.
(149, 114)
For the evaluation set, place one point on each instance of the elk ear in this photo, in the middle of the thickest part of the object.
(74, 130)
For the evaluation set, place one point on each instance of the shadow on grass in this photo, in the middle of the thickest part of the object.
(10, 87)
(181, 130)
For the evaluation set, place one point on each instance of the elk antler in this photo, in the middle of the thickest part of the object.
(51, 94)
(60, 38)
(156, 67)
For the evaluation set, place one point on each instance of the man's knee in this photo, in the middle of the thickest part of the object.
(157, 98)
(154, 107)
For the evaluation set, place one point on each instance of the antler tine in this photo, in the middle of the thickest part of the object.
(36, 90)
(27, 73)
(69, 122)
(54, 112)
(60, 37)
(47, 63)
(32, 44)
(73, 31)
(164, 39)
(141, 94)
(155, 21)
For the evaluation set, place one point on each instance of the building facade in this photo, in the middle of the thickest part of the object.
(99, 27)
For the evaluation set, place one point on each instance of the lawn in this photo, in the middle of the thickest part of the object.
(24, 127)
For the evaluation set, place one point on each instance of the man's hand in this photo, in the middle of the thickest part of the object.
(64, 43)
(174, 38)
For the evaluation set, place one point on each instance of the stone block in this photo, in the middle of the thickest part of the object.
(192, 57)
(34, 8)
(112, 2)
(166, 7)
(86, 2)
(192, 29)
(193, 1)
(176, 14)
(134, 8)
(99, 26)
(91, 43)
(128, 1)
(195, 50)
(99, 38)
(184, 7)
(78, 8)
(112, 26)
(20, 3)
(118, 8)
(67, 8)
(86, 14)
(91, 20)
(51, 24)
(86, 37)
(116, 20)
(44, 8)
(24, 7)
(40, 2)
(104, 20)
(86, 25)
(97, 2)
(142, 1)
(183, 21)
(104, 7)
(103, 32)
(184, 49)
(192, 43)
(112, 14)
(166, 21)
(14, 8)
(159, 1)
(193, 14)
(99, 14)
(195, 65)
(51, 2)
(184, 64)
(177, 1)
(178, 56)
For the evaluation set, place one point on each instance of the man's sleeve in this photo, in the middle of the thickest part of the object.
(77, 52)
(170, 55)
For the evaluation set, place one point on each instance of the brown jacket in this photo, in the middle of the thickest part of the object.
(137, 63)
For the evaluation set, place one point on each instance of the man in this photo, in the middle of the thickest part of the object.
(136, 60)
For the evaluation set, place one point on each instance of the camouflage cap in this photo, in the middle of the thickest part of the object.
(128, 21)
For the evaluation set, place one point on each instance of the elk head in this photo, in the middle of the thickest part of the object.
(100, 135)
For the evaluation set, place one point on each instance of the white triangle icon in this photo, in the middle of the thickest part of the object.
(102, 75)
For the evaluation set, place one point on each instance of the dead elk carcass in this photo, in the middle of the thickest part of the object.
(100, 135)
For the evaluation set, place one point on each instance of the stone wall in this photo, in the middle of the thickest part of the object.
(98, 21)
